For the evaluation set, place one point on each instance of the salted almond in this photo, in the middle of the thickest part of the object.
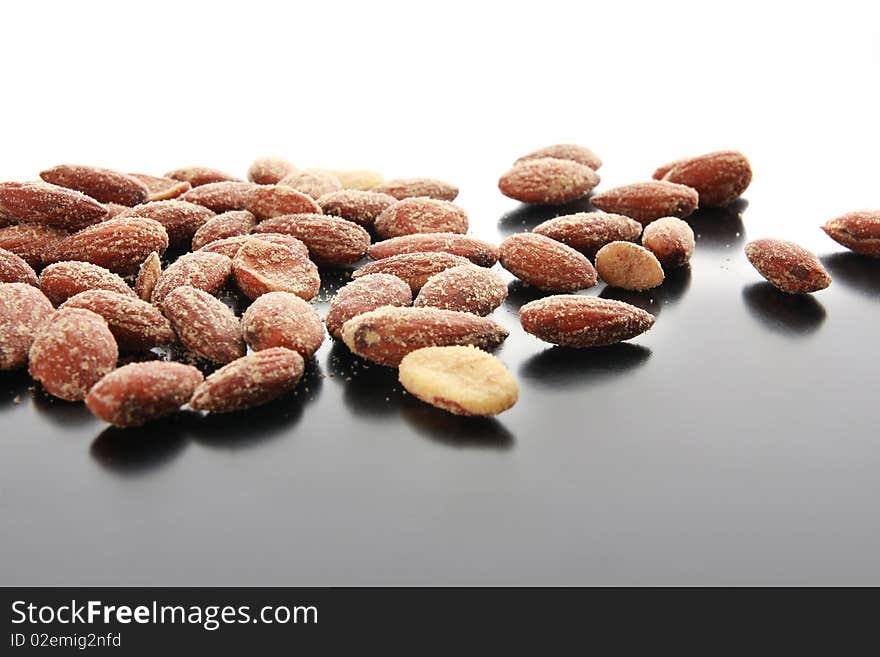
(858, 231)
(628, 266)
(282, 319)
(221, 196)
(204, 271)
(198, 176)
(221, 226)
(361, 207)
(479, 252)
(312, 182)
(269, 170)
(719, 178)
(546, 263)
(648, 201)
(588, 232)
(364, 294)
(261, 267)
(204, 324)
(135, 324)
(14, 269)
(62, 280)
(119, 245)
(36, 244)
(265, 201)
(787, 266)
(467, 288)
(23, 310)
(229, 246)
(180, 218)
(50, 205)
(421, 215)
(671, 240)
(548, 180)
(103, 185)
(330, 240)
(414, 268)
(573, 152)
(401, 188)
(162, 189)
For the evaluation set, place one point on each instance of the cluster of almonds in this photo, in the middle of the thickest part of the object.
(98, 238)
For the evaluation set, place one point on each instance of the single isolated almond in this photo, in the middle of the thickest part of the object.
(282, 319)
(314, 183)
(421, 215)
(389, 333)
(221, 226)
(719, 178)
(573, 152)
(364, 294)
(361, 207)
(479, 252)
(249, 381)
(671, 240)
(162, 189)
(546, 264)
(180, 218)
(857, 231)
(14, 269)
(204, 324)
(629, 266)
(788, 266)
(548, 181)
(198, 176)
(120, 245)
(229, 246)
(269, 170)
(71, 352)
(49, 205)
(401, 188)
(103, 185)
(23, 309)
(570, 320)
(261, 267)
(135, 324)
(147, 276)
(461, 380)
(220, 196)
(467, 288)
(414, 268)
(330, 240)
(588, 232)
(647, 201)
(62, 280)
(204, 271)
(265, 201)
(138, 393)
(36, 244)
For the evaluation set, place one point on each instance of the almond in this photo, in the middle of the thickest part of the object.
(858, 231)
(250, 381)
(628, 266)
(573, 152)
(180, 219)
(719, 178)
(35, 244)
(364, 294)
(147, 277)
(113, 210)
(662, 170)
(14, 269)
(312, 182)
(201, 270)
(789, 267)
(266, 201)
(50, 205)
(577, 321)
(136, 324)
(220, 196)
(467, 288)
(671, 240)
(269, 170)
(545, 263)
(138, 393)
(330, 240)
(204, 324)
(103, 185)
(71, 352)
(162, 189)
(198, 176)
(548, 181)
(355, 205)
(478, 251)
(361, 179)
(647, 201)
(387, 334)
(421, 215)
(119, 245)
(401, 188)
(261, 267)
(414, 268)
(229, 246)
(228, 224)
(23, 309)
(62, 280)
(281, 319)
(588, 232)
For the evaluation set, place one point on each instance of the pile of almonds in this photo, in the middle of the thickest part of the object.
(133, 263)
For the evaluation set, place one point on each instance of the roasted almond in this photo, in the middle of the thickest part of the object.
(719, 178)
(162, 189)
(119, 245)
(220, 196)
(269, 170)
(23, 309)
(858, 231)
(180, 218)
(71, 352)
(355, 205)
(588, 232)
(364, 294)
(14, 269)
(250, 381)
(578, 321)
(138, 393)
(789, 267)
(647, 201)
(50, 205)
(198, 176)
(414, 268)
(113, 210)
(228, 224)
(330, 240)
(265, 201)
(35, 244)
(387, 334)
(261, 267)
(62, 280)
(229, 246)
(401, 188)
(671, 240)
(103, 185)
(548, 180)
(629, 266)
(573, 152)
(663, 169)
(147, 277)
(201, 270)
(421, 215)
(281, 319)
(545, 263)
(204, 324)
(312, 182)
(467, 288)
(478, 251)
(136, 324)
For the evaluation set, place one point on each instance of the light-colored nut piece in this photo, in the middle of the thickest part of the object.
(629, 266)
